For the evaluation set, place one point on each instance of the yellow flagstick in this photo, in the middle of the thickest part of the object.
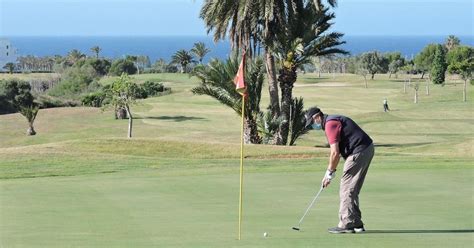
(241, 165)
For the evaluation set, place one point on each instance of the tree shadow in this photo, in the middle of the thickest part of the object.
(421, 231)
(179, 118)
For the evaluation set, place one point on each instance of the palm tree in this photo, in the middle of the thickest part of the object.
(96, 50)
(305, 37)
(248, 23)
(184, 58)
(74, 56)
(452, 42)
(200, 50)
(217, 82)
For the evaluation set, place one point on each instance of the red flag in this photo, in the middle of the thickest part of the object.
(239, 79)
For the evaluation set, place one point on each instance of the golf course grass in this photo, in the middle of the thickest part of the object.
(81, 183)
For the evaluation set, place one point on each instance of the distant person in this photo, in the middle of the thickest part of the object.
(348, 140)
(385, 105)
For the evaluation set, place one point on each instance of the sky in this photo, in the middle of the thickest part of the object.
(181, 17)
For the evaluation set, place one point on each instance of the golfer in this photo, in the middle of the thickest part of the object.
(348, 140)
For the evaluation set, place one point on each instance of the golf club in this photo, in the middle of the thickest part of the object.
(297, 228)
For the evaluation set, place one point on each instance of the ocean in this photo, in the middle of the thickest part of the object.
(163, 47)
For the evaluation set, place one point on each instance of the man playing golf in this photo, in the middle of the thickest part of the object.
(348, 140)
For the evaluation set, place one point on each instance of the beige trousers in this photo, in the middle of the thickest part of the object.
(355, 169)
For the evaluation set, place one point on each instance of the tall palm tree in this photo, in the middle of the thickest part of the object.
(306, 35)
(183, 58)
(217, 82)
(248, 23)
(96, 50)
(200, 50)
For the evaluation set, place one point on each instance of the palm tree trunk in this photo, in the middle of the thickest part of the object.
(286, 78)
(251, 132)
(130, 121)
(422, 74)
(272, 84)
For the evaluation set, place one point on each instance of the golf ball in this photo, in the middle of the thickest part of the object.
(265, 234)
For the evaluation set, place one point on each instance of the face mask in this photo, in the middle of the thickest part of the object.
(316, 126)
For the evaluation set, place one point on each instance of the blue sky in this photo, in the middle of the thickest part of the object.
(181, 17)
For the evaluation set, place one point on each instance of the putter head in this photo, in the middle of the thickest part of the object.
(296, 228)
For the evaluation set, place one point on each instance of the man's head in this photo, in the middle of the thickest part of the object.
(314, 118)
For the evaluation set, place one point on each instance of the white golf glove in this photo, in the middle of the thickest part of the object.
(328, 177)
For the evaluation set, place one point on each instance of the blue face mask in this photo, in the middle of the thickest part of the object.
(316, 126)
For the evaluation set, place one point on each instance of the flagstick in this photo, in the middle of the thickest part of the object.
(241, 165)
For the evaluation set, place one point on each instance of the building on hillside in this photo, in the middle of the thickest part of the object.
(8, 54)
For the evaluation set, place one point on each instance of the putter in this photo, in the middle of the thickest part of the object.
(297, 228)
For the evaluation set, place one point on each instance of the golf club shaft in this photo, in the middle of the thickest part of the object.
(310, 205)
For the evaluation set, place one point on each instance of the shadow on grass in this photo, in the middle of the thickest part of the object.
(403, 145)
(421, 231)
(179, 118)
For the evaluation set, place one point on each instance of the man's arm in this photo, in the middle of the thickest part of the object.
(333, 161)
(334, 157)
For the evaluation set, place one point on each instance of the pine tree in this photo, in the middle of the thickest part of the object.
(439, 66)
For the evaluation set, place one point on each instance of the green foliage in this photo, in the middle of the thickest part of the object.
(96, 50)
(200, 51)
(459, 54)
(183, 58)
(371, 62)
(424, 59)
(101, 66)
(121, 66)
(77, 79)
(464, 68)
(438, 68)
(94, 99)
(217, 81)
(122, 92)
(152, 88)
(297, 120)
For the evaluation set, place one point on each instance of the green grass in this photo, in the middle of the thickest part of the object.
(80, 183)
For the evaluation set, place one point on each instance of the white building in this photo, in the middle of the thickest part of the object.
(7, 53)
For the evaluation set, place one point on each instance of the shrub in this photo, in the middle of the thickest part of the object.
(95, 99)
(122, 66)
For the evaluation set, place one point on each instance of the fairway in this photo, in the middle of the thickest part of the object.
(80, 183)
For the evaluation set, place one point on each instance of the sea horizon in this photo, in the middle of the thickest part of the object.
(158, 46)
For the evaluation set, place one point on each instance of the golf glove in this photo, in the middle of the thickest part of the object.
(330, 175)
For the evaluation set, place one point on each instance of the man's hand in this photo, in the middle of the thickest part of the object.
(328, 177)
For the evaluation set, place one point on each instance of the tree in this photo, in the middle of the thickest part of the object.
(200, 51)
(249, 23)
(217, 82)
(122, 94)
(306, 36)
(395, 66)
(424, 59)
(96, 50)
(465, 69)
(183, 58)
(438, 68)
(395, 62)
(371, 62)
(452, 42)
(19, 95)
(74, 56)
(121, 66)
(363, 72)
(459, 54)
(10, 67)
